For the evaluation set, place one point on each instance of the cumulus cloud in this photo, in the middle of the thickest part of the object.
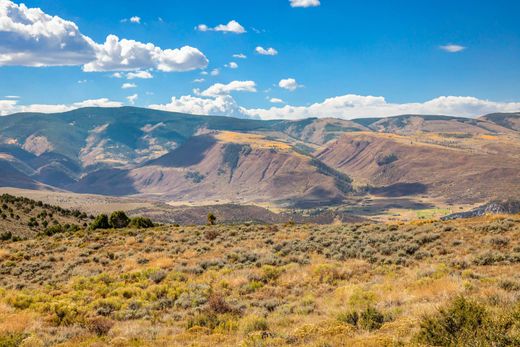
(222, 105)
(232, 65)
(134, 19)
(127, 55)
(30, 37)
(12, 106)
(132, 98)
(231, 27)
(346, 106)
(289, 84)
(354, 106)
(276, 101)
(128, 85)
(139, 74)
(451, 48)
(133, 75)
(225, 89)
(215, 72)
(268, 51)
(239, 56)
(304, 3)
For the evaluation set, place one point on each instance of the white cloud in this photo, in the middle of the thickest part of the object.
(198, 80)
(82, 81)
(203, 27)
(12, 106)
(102, 102)
(354, 106)
(215, 72)
(304, 3)
(276, 101)
(30, 37)
(139, 74)
(346, 106)
(12, 97)
(232, 65)
(133, 75)
(128, 85)
(239, 56)
(7, 106)
(289, 84)
(268, 51)
(452, 48)
(127, 55)
(135, 19)
(132, 98)
(231, 27)
(222, 105)
(234, 86)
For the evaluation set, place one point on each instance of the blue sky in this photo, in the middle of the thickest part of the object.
(338, 58)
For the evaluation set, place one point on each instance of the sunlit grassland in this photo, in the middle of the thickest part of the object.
(259, 285)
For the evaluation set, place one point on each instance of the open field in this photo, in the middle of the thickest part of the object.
(264, 285)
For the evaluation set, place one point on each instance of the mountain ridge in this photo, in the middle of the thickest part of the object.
(168, 155)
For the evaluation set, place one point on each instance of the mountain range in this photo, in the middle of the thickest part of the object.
(167, 156)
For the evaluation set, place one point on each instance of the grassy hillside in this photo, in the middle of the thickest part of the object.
(428, 283)
(22, 218)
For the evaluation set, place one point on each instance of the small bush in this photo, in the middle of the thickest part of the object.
(53, 229)
(217, 304)
(368, 319)
(211, 234)
(254, 323)
(119, 219)
(100, 325)
(467, 323)
(100, 222)
(141, 223)
(212, 219)
(6, 236)
(12, 339)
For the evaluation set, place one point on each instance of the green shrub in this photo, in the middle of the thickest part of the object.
(119, 219)
(467, 323)
(54, 229)
(141, 223)
(12, 339)
(212, 219)
(5, 236)
(254, 323)
(368, 319)
(101, 222)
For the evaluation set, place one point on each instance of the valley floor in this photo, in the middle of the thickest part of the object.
(266, 285)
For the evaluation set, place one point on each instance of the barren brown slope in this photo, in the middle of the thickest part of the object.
(411, 124)
(463, 170)
(507, 120)
(250, 169)
(319, 130)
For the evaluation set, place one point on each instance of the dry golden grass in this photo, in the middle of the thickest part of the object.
(254, 140)
(279, 285)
